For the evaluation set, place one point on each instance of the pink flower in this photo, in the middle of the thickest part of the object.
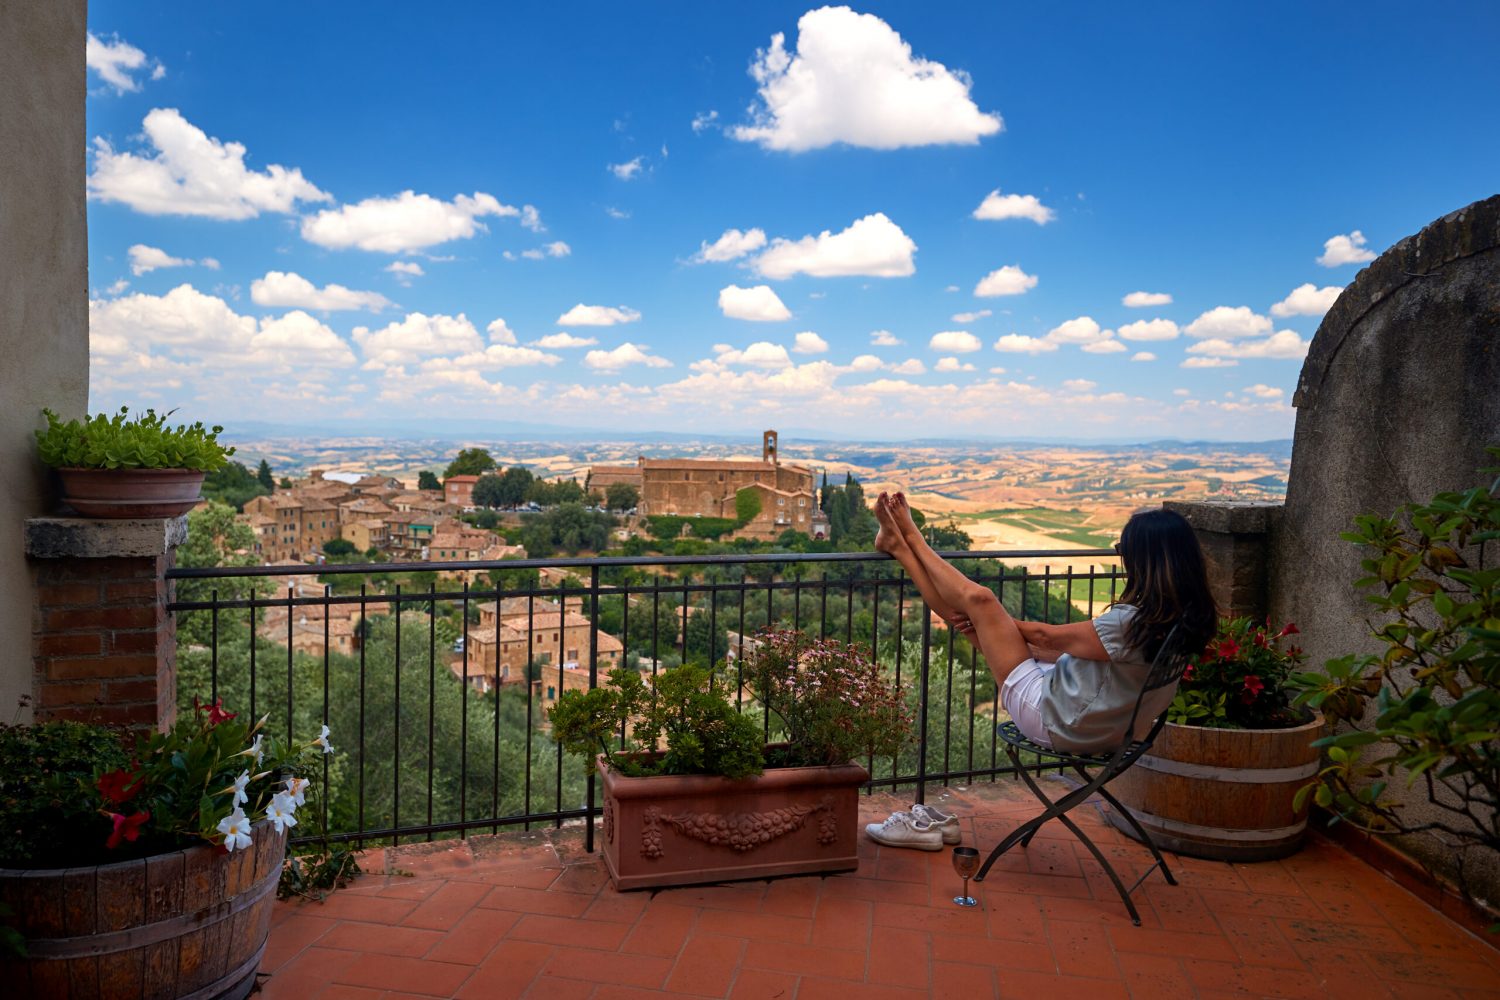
(119, 787)
(1291, 629)
(216, 713)
(1227, 650)
(125, 828)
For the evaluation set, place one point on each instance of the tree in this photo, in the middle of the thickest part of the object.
(488, 492)
(285, 483)
(264, 475)
(569, 527)
(336, 547)
(215, 538)
(622, 496)
(470, 462)
(426, 480)
(233, 485)
(514, 482)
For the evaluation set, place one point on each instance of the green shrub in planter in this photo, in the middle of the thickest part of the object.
(120, 442)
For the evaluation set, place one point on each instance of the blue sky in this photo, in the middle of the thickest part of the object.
(897, 220)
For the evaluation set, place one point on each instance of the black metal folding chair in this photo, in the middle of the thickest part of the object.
(1167, 668)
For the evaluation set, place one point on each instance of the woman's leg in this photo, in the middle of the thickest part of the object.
(999, 638)
(891, 541)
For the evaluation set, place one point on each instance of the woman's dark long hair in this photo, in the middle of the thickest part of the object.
(1166, 580)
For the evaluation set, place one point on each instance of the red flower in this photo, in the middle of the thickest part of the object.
(119, 787)
(1228, 649)
(126, 828)
(1260, 639)
(1253, 686)
(1187, 674)
(216, 713)
(1291, 629)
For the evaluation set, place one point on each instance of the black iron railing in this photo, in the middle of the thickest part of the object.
(435, 739)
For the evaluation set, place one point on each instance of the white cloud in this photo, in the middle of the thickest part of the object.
(182, 318)
(1008, 280)
(493, 358)
(808, 342)
(209, 262)
(582, 315)
(1263, 391)
(557, 341)
(1016, 343)
(954, 342)
(404, 270)
(1284, 345)
(761, 354)
(192, 173)
(969, 317)
(1143, 356)
(911, 366)
(952, 365)
(730, 245)
(1106, 346)
(144, 259)
(705, 120)
(1340, 250)
(873, 246)
(280, 288)
(532, 219)
(1014, 206)
(1080, 330)
(501, 333)
(415, 337)
(627, 170)
(1080, 384)
(852, 79)
(300, 340)
(1140, 300)
(1149, 329)
(1229, 323)
(1201, 362)
(625, 355)
(119, 286)
(866, 363)
(1307, 300)
(1182, 392)
(557, 248)
(114, 61)
(616, 213)
(405, 223)
(885, 338)
(758, 304)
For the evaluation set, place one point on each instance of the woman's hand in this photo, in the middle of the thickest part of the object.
(1035, 633)
(961, 624)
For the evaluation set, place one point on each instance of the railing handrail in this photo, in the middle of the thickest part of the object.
(587, 562)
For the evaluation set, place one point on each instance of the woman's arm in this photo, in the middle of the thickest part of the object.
(1078, 639)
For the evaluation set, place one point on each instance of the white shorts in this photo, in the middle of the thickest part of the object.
(1022, 696)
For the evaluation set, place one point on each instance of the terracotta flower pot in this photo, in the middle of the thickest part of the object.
(117, 493)
(1224, 794)
(192, 923)
(690, 829)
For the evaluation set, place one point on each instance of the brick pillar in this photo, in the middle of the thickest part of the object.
(1235, 535)
(102, 641)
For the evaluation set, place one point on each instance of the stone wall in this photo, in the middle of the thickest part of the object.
(44, 339)
(1398, 397)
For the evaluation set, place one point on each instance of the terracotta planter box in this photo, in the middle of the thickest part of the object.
(1224, 794)
(192, 923)
(117, 493)
(691, 829)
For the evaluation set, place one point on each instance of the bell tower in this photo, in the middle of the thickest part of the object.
(768, 448)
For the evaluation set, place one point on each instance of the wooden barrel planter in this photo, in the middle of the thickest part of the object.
(1224, 794)
(190, 925)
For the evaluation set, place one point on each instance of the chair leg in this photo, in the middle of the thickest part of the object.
(1145, 837)
(1109, 869)
(1027, 830)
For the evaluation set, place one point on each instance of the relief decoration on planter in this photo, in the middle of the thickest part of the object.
(740, 831)
(609, 821)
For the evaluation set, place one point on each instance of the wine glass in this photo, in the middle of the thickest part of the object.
(966, 863)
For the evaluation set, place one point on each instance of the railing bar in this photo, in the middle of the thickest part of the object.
(463, 723)
(396, 746)
(561, 682)
(739, 659)
(495, 696)
(213, 656)
(290, 646)
(327, 627)
(361, 635)
(253, 637)
(588, 832)
(431, 697)
(530, 695)
(952, 638)
(823, 606)
(923, 702)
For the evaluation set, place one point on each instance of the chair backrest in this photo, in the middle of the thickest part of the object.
(1167, 668)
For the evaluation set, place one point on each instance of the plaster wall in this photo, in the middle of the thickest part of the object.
(1398, 397)
(44, 338)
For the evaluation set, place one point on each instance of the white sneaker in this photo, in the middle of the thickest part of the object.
(902, 829)
(946, 822)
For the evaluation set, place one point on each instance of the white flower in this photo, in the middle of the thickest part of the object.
(280, 812)
(240, 798)
(322, 741)
(255, 749)
(296, 790)
(236, 830)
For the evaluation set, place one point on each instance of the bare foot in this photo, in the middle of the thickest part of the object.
(901, 518)
(888, 539)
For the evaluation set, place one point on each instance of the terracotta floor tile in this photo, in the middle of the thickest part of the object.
(707, 966)
(499, 918)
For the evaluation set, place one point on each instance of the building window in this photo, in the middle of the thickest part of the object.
(573, 655)
(802, 501)
(551, 693)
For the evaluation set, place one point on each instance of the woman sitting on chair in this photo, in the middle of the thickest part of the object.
(1073, 687)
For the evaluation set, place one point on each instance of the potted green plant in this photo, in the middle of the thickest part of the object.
(121, 466)
(693, 792)
(1428, 701)
(148, 871)
(1221, 779)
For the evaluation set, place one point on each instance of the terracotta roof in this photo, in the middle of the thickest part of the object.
(460, 479)
(711, 465)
